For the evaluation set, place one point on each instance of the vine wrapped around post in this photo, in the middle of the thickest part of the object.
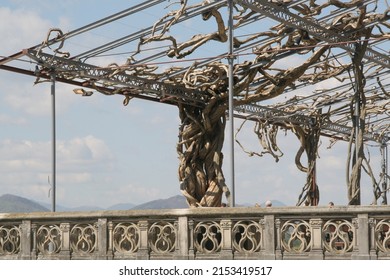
(201, 138)
(309, 138)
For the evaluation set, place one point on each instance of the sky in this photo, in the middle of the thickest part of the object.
(109, 154)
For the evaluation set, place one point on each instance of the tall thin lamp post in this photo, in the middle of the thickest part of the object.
(53, 107)
(231, 94)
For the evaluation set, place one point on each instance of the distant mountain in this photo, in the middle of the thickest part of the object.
(12, 203)
(174, 202)
(61, 208)
(15, 204)
(122, 206)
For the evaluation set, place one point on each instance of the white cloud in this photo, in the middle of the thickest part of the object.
(23, 29)
(8, 120)
(29, 102)
(25, 166)
(82, 150)
(36, 100)
(87, 152)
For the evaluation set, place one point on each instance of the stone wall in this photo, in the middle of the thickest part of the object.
(354, 232)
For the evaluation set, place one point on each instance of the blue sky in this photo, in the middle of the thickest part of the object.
(108, 153)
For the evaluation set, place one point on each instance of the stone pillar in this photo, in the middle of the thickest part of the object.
(143, 252)
(182, 239)
(278, 238)
(269, 237)
(191, 251)
(316, 252)
(25, 241)
(361, 240)
(110, 249)
(65, 241)
(226, 248)
(102, 239)
(373, 252)
(34, 241)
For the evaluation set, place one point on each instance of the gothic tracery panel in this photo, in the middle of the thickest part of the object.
(49, 239)
(247, 236)
(338, 236)
(126, 237)
(382, 236)
(208, 237)
(9, 240)
(162, 237)
(296, 236)
(83, 238)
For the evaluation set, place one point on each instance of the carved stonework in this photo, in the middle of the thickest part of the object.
(382, 235)
(207, 237)
(162, 237)
(247, 236)
(83, 238)
(126, 237)
(49, 239)
(10, 240)
(296, 236)
(316, 223)
(338, 236)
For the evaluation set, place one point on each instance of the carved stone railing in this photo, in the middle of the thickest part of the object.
(357, 232)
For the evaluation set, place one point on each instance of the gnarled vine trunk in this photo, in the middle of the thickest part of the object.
(358, 115)
(309, 138)
(201, 138)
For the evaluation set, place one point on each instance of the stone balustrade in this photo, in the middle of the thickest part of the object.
(353, 232)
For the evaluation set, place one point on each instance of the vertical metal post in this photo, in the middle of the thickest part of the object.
(358, 71)
(53, 107)
(384, 171)
(231, 94)
(357, 119)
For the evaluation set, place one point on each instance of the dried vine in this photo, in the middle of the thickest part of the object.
(260, 78)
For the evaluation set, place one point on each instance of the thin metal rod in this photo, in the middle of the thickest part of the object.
(384, 172)
(357, 118)
(105, 21)
(53, 107)
(231, 104)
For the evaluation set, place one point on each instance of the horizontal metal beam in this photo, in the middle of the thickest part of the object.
(72, 82)
(114, 79)
(274, 115)
(283, 15)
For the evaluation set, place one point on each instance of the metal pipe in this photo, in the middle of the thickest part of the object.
(53, 107)
(357, 117)
(384, 172)
(231, 105)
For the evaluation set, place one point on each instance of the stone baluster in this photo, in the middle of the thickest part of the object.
(182, 239)
(361, 240)
(34, 242)
(278, 245)
(316, 252)
(143, 252)
(110, 246)
(373, 247)
(226, 249)
(269, 237)
(191, 251)
(25, 240)
(102, 238)
(65, 240)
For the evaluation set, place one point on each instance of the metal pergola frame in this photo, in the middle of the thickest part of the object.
(113, 80)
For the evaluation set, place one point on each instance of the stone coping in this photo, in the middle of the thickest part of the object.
(211, 212)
